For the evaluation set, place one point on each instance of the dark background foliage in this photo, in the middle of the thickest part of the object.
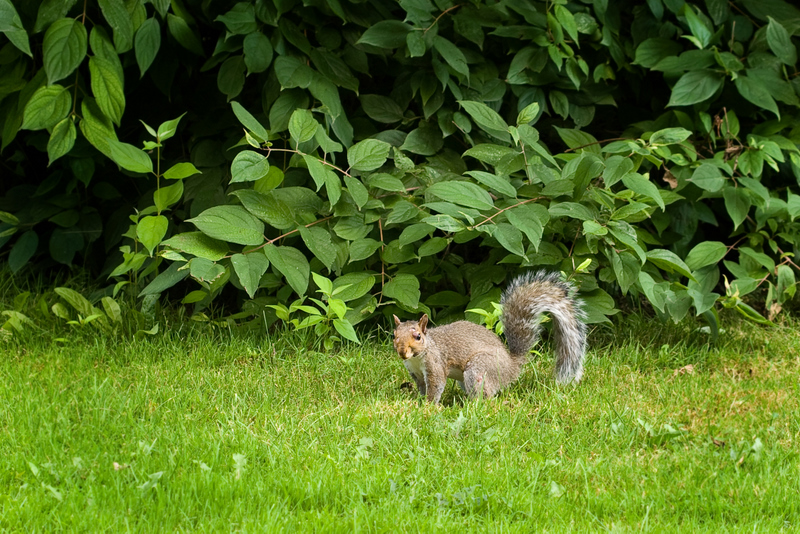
(412, 155)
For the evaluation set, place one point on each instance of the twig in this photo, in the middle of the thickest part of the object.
(271, 241)
(505, 209)
(292, 151)
(442, 14)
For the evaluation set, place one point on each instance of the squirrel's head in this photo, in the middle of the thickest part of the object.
(409, 337)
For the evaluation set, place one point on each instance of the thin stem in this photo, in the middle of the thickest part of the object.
(442, 14)
(271, 241)
(292, 151)
(504, 209)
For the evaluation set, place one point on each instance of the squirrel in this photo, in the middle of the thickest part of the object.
(476, 357)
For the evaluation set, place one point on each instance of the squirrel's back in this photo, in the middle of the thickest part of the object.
(463, 337)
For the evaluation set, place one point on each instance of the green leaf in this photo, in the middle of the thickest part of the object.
(643, 186)
(357, 190)
(179, 171)
(302, 126)
(759, 257)
(151, 230)
(240, 20)
(250, 268)
(386, 34)
(352, 286)
(487, 119)
(96, 127)
(780, 42)
(755, 91)
(204, 270)
(616, 168)
(698, 27)
(381, 108)
(129, 157)
(653, 50)
(23, 250)
(414, 232)
(292, 72)
(669, 261)
(230, 223)
(655, 293)
(318, 241)
(387, 182)
(198, 244)
(695, 86)
(9, 218)
(147, 43)
(531, 220)
(463, 194)
(48, 106)
(346, 329)
(669, 136)
(258, 52)
(61, 140)
(292, 264)
(705, 253)
(168, 128)
(452, 55)
(626, 268)
(230, 77)
(117, 16)
(425, 140)
(559, 102)
(579, 140)
(76, 300)
(415, 41)
(164, 197)
(737, 203)
(404, 288)
(501, 185)
(12, 27)
(528, 114)
(64, 47)
(567, 21)
(183, 34)
(511, 238)
(108, 88)
(572, 210)
(709, 177)
(267, 207)
(793, 205)
(165, 280)
(362, 249)
(249, 121)
(248, 166)
(368, 154)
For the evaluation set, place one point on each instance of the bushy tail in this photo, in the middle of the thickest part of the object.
(525, 299)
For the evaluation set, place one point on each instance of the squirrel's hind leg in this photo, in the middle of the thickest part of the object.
(480, 383)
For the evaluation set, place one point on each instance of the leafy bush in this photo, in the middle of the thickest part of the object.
(415, 152)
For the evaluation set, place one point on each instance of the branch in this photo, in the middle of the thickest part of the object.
(293, 151)
(442, 14)
(271, 241)
(505, 209)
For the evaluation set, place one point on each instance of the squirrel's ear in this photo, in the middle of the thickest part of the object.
(423, 323)
(396, 320)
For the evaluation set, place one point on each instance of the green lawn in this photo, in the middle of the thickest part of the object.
(218, 432)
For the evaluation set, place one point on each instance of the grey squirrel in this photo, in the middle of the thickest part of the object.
(477, 358)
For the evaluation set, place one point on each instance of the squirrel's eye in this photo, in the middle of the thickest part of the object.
(417, 336)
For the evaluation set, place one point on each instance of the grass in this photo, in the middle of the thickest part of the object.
(221, 432)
